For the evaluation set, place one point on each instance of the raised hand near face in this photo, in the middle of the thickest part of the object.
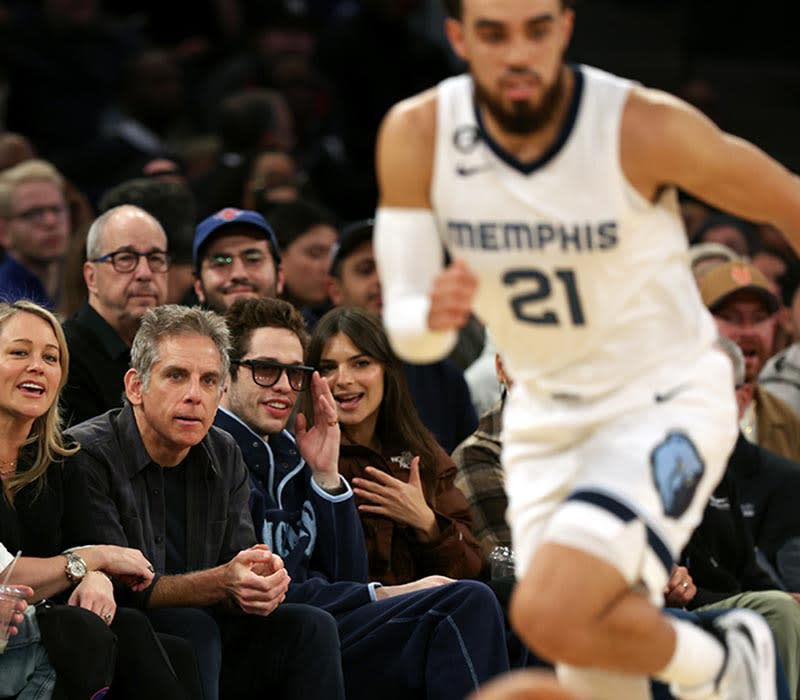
(319, 445)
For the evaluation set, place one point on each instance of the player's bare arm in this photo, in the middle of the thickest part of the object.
(404, 152)
(424, 304)
(666, 141)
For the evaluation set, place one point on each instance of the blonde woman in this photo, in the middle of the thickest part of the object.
(40, 509)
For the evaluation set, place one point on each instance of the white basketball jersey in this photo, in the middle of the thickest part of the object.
(583, 283)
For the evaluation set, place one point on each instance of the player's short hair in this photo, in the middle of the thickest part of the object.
(455, 8)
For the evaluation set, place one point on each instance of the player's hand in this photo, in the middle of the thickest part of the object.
(451, 297)
(404, 502)
(680, 589)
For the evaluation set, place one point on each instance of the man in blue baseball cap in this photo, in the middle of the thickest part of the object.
(235, 254)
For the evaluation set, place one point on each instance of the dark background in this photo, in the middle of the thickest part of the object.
(739, 61)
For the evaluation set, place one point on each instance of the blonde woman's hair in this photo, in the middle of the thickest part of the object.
(46, 430)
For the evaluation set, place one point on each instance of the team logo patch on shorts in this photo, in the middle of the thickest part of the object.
(677, 469)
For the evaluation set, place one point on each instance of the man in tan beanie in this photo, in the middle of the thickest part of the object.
(744, 306)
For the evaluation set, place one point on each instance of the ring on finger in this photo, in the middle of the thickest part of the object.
(107, 616)
(686, 584)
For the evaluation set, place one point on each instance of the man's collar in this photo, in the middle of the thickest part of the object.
(240, 422)
(111, 341)
(139, 457)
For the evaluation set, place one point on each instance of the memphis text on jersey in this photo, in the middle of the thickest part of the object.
(541, 236)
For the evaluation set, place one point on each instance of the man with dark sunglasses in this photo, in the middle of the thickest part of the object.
(126, 274)
(442, 637)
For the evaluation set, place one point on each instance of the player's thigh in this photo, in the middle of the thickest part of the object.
(656, 465)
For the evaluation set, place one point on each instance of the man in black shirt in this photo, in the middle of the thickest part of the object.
(126, 274)
(163, 480)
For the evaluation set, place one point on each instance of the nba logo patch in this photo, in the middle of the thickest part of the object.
(677, 469)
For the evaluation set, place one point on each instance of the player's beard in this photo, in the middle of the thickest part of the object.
(523, 118)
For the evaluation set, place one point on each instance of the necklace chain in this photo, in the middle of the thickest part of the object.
(7, 467)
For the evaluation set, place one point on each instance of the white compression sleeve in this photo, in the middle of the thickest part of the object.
(409, 255)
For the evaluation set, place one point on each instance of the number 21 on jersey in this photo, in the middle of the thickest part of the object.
(538, 288)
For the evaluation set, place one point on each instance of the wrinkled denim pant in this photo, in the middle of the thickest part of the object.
(25, 671)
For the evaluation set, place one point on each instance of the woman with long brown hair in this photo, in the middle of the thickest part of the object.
(416, 522)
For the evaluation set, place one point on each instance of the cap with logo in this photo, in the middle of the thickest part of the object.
(726, 279)
(229, 217)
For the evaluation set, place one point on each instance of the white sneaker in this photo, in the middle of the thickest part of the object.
(749, 670)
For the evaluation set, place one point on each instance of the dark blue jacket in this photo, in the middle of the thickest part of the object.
(17, 282)
(317, 534)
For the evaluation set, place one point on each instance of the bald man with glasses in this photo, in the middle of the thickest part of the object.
(126, 274)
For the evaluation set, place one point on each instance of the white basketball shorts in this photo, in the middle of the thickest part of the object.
(625, 477)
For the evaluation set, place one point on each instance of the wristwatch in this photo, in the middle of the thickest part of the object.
(75, 568)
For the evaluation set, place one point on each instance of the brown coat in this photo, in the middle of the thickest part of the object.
(395, 554)
(778, 425)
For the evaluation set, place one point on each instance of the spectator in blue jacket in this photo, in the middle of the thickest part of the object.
(430, 638)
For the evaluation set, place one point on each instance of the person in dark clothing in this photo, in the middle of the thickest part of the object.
(164, 480)
(174, 206)
(306, 232)
(720, 559)
(126, 274)
(768, 484)
(41, 509)
(34, 232)
(430, 638)
(235, 253)
(416, 521)
(719, 569)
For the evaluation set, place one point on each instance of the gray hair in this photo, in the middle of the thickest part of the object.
(171, 320)
(94, 238)
(734, 352)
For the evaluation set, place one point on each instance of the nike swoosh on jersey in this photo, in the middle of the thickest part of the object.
(671, 394)
(466, 170)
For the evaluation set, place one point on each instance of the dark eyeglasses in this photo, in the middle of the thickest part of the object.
(267, 373)
(127, 260)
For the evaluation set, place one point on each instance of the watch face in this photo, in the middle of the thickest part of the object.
(77, 567)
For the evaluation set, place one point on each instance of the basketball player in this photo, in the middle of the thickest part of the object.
(553, 186)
